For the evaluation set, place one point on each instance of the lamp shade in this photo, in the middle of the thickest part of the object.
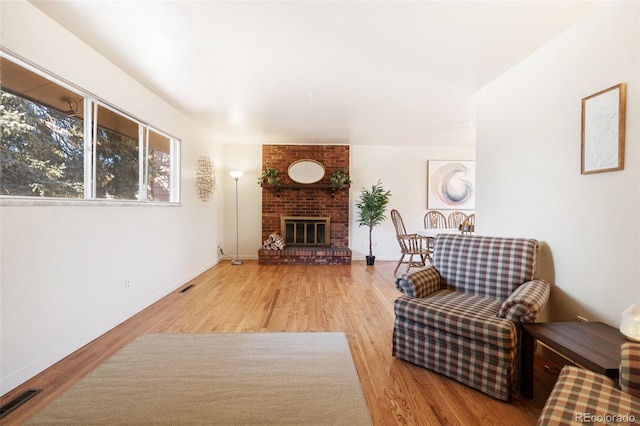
(630, 323)
(236, 174)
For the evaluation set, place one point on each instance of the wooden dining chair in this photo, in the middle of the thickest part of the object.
(413, 245)
(434, 219)
(469, 224)
(455, 219)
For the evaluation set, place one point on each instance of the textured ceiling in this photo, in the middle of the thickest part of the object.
(384, 72)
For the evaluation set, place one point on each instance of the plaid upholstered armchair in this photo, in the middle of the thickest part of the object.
(461, 316)
(583, 397)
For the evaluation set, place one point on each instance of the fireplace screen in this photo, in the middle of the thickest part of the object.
(306, 231)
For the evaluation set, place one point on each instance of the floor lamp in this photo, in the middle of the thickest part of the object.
(236, 174)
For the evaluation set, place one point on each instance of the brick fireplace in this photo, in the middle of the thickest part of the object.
(311, 204)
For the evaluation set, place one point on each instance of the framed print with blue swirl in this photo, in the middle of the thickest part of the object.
(451, 185)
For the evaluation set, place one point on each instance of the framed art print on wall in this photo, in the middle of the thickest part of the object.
(451, 185)
(603, 131)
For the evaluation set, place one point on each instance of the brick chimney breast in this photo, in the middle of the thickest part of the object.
(312, 200)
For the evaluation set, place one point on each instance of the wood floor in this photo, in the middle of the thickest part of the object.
(355, 299)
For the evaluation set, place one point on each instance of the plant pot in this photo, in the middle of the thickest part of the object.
(370, 260)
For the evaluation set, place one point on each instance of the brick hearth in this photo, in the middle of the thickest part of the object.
(305, 256)
(306, 200)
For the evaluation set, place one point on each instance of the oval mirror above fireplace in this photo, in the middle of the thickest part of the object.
(306, 171)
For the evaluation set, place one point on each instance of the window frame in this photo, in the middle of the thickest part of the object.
(91, 105)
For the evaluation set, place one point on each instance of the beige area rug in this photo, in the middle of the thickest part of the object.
(219, 379)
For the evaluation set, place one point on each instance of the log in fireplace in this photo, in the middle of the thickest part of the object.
(306, 230)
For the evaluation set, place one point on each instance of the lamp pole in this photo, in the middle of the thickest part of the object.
(236, 174)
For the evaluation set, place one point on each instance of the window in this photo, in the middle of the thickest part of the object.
(49, 149)
(117, 161)
(42, 144)
(159, 167)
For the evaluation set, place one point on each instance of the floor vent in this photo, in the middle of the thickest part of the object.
(187, 288)
(18, 401)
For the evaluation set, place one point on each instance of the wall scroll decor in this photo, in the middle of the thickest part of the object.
(205, 179)
(451, 184)
(603, 126)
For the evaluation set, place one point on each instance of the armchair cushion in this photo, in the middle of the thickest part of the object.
(526, 302)
(461, 315)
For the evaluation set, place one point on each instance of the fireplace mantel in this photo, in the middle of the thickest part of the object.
(278, 188)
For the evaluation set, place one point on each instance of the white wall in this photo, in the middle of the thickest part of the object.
(62, 268)
(402, 169)
(528, 166)
(248, 158)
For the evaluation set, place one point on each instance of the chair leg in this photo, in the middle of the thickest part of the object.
(430, 255)
(398, 265)
(410, 262)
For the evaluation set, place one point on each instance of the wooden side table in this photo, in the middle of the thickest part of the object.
(591, 345)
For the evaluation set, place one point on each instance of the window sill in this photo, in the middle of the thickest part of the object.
(33, 201)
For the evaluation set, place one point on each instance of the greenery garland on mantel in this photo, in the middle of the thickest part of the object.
(340, 179)
(270, 178)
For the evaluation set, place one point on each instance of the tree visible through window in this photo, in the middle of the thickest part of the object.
(159, 166)
(41, 150)
(117, 157)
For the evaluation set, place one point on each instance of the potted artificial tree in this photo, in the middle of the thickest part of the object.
(371, 208)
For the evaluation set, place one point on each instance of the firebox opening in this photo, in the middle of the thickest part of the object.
(306, 231)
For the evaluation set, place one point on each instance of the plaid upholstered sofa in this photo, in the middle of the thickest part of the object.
(460, 317)
(583, 397)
